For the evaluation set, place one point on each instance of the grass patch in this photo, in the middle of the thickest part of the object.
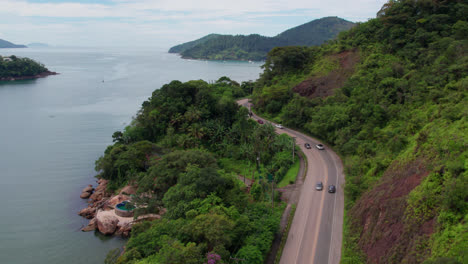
(290, 175)
(241, 167)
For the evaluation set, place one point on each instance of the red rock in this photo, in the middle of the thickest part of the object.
(88, 212)
(85, 195)
(96, 196)
(125, 230)
(88, 189)
(106, 224)
(128, 190)
(91, 226)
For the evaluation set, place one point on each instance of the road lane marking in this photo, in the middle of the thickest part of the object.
(319, 221)
(319, 217)
(334, 208)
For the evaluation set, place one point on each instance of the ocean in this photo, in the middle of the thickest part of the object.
(54, 128)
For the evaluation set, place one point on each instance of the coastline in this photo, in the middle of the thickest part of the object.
(41, 75)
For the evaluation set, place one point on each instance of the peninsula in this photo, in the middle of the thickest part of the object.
(255, 47)
(13, 68)
(7, 44)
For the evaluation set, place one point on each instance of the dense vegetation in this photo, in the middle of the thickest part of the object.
(255, 47)
(177, 152)
(7, 44)
(399, 122)
(19, 67)
(188, 45)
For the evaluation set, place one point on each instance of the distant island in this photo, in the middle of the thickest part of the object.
(7, 44)
(255, 47)
(38, 45)
(13, 68)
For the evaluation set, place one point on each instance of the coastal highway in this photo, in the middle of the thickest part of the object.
(316, 234)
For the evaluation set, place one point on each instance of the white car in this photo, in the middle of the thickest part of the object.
(320, 146)
(279, 126)
(319, 186)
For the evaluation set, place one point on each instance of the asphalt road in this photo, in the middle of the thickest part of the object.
(316, 233)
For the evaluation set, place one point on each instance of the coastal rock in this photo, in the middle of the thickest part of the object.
(124, 229)
(96, 196)
(111, 203)
(88, 212)
(85, 195)
(88, 189)
(129, 190)
(102, 185)
(41, 75)
(106, 223)
(91, 226)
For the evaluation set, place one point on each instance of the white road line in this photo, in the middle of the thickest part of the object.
(334, 207)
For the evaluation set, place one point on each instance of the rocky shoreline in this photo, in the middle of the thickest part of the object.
(41, 75)
(100, 210)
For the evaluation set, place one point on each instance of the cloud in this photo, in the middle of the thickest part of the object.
(169, 21)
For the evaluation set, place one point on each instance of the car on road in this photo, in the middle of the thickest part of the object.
(331, 189)
(279, 126)
(320, 146)
(307, 145)
(260, 121)
(319, 186)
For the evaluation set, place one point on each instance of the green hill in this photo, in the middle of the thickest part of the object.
(390, 95)
(14, 68)
(7, 44)
(255, 47)
(315, 32)
(191, 44)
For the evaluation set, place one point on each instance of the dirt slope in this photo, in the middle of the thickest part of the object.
(323, 86)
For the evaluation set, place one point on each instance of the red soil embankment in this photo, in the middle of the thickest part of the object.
(323, 86)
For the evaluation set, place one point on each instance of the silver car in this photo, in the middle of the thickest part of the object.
(319, 186)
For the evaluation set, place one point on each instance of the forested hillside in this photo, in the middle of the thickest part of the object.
(255, 47)
(185, 151)
(391, 96)
(14, 67)
(191, 44)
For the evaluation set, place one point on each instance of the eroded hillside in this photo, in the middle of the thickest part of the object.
(391, 96)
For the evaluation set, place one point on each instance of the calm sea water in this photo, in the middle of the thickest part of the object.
(54, 128)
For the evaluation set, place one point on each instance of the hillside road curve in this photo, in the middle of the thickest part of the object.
(316, 234)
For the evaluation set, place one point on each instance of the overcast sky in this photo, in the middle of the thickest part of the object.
(162, 23)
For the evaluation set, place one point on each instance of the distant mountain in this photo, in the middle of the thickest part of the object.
(255, 47)
(7, 44)
(191, 44)
(316, 32)
(38, 45)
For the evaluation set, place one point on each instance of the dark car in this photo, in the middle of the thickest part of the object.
(307, 145)
(320, 146)
(331, 189)
(260, 121)
(319, 186)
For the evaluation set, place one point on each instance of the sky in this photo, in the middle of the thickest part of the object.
(162, 23)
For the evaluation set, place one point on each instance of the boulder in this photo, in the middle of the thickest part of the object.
(118, 199)
(88, 189)
(91, 226)
(96, 196)
(129, 190)
(106, 223)
(124, 230)
(102, 184)
(85, 195)
(88, 212)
